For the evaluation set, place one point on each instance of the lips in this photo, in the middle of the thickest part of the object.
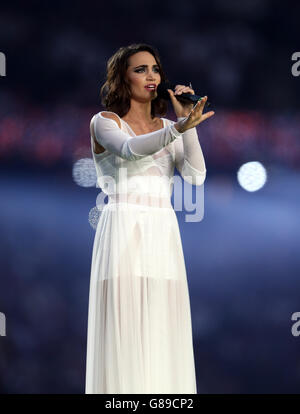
(150, 88)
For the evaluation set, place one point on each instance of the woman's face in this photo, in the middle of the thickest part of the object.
(143, 70)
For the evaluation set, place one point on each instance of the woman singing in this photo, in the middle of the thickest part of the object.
(139, 337)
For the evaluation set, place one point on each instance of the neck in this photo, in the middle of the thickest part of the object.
(140, 113)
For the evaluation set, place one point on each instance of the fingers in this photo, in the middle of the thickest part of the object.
(179, 89)
(198, 109)
(203, 102)
(207, 115)
(171, 93)
(200, 106)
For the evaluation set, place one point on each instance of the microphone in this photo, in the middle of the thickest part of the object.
(162, 92)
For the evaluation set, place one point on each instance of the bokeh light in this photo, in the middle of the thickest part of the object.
(84, 172)
(252, 176)
(94, 216)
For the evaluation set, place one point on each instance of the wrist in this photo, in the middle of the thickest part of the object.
(183, 114)
(180, 125)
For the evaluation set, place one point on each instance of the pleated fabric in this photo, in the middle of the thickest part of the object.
(139, 337)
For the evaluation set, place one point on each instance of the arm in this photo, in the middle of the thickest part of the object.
(109, 135)
(189, 159)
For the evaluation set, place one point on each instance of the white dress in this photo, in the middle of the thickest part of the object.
(139, 337)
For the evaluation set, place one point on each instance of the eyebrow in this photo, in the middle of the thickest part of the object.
(144, 66)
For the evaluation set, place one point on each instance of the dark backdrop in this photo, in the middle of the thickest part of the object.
(242, 259)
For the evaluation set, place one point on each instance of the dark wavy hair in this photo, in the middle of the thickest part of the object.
(115, 93)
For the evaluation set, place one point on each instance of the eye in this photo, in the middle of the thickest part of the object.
(138, 70)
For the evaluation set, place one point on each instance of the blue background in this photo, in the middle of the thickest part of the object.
(242, 259)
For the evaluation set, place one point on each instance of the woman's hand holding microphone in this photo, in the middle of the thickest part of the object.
(193, 113)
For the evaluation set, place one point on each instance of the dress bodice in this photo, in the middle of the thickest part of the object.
(143, 180)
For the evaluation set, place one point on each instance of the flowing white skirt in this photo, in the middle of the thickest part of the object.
(139, 338)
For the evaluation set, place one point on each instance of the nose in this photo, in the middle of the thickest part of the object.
(151, 77)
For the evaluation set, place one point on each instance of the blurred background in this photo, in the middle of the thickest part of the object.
(242, 259)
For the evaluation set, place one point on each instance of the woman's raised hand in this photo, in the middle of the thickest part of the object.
(196, 116)
(193, 114)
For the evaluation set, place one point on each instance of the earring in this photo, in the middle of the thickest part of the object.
(190, 85)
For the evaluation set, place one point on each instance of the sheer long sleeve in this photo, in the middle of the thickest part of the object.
(189, 159)
(112, 138)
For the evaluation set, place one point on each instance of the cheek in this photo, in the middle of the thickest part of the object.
(135, 81)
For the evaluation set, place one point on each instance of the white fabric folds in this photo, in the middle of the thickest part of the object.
(139, 337)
